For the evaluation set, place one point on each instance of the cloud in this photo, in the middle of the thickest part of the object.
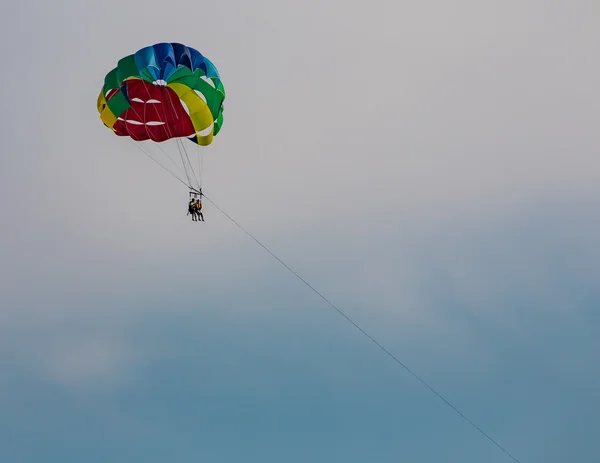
(88, 363)
(80, 355)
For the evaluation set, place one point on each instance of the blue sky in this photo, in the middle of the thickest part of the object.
(431, 169)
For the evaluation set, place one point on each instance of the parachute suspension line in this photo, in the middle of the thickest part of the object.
(180, 144)
(147, 153)
(200, 164)
(380, 346)
(188, 167)
(169, 157)
(170, 134)
(148, 134)
(164, 119)
(187, 174)
(137, 145)
(187, 156)
(185, 159)
(183, 171)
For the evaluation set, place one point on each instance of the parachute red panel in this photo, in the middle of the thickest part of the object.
(155, 113)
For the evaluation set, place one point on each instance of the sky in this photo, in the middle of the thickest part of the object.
(432, 168)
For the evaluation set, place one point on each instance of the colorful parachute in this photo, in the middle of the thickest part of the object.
(163, 91)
